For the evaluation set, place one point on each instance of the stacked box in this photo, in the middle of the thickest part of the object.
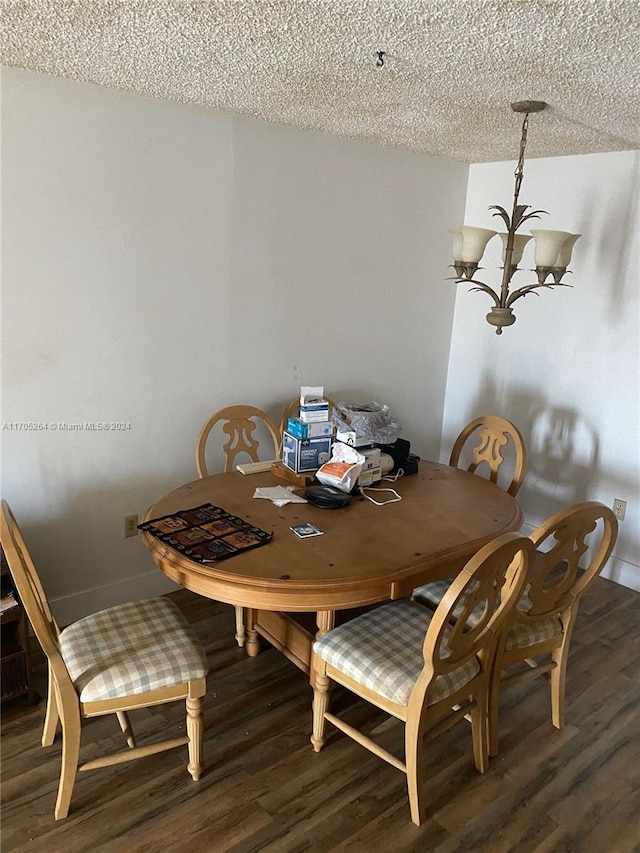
(313, 407)
(371, 457)
(298, 428)
(351, 438)
(372, 475)
(314, 413)
(371, 471)
(305, 454)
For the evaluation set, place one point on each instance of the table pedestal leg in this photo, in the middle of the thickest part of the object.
(252, 644)
(325, 620)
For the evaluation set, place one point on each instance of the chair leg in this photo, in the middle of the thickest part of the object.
(195, 733)
(416, 774)
(557, 680)
(321, 696)
(480, 731)
(127, 730)
(240, 629)
(51, 717)
(558, 675)
(494, 710)
(70, 755)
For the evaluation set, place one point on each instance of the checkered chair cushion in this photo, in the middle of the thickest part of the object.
(527, 632)
(432, 593)
(131, 648)
(382, 650)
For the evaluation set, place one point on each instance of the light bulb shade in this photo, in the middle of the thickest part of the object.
(519, 242)
(473, 243)
(548, 245)
(564, 255)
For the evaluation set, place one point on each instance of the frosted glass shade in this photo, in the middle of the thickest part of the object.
(548, 245)
(457, 243)
(473, 242)
(564, 255)
(519, 242)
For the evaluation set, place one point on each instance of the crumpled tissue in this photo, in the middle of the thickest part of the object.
(279, 495)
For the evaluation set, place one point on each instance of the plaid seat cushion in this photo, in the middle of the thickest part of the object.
(524, 633)
(432, 593)
(131, 648)
(528, 632)
(382, 650)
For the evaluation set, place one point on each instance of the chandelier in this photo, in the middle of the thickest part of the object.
(552, 248)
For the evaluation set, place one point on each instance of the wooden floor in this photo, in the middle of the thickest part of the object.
(266, 790)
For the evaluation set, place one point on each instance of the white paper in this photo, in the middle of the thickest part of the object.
(279, 495)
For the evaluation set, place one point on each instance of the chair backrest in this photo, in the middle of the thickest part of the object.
(291, 411)
(31, 593)
(238, 424)
(492, 433)
(572, 549)
(475, 608)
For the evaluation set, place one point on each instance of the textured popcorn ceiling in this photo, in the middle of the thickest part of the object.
(452, 66)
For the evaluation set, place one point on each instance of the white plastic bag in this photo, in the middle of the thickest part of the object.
(368, 420)
(343, 469)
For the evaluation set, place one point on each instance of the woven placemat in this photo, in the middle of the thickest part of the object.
(206, 533)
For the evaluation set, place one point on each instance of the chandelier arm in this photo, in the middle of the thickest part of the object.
(502, 213)
(530, 288)
(535, 214)
(480, 285)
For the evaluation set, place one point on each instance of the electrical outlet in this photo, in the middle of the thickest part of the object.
(619, 509)
(130, 525)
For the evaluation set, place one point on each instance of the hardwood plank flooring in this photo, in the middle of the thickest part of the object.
(264, 789)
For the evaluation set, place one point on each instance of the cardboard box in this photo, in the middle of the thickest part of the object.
(372, 475)
(349, 437)
(305, 454)
(371, 456)
(317, 429)
(313, 413)
(311, 394)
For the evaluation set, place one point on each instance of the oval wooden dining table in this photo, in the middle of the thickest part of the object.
(367, 553)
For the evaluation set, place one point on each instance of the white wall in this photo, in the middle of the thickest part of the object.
(161, 261)
(567, 372)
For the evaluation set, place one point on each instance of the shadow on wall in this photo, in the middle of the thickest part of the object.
(563, 459)
(563, 448)
(613, 249)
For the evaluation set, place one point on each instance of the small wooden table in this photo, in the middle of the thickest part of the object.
(366, 555)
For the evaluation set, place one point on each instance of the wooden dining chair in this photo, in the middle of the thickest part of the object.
(490, 435)
(238, 424)
(129, 656)
(419, 667)
(572, 548)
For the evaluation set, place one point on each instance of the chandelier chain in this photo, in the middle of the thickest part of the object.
(519, 172)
